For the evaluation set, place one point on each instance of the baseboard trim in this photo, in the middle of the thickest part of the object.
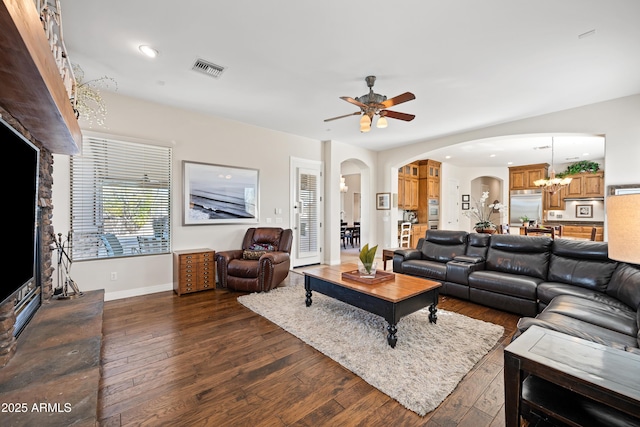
(109, 296)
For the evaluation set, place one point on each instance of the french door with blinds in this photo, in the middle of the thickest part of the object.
(307, 212)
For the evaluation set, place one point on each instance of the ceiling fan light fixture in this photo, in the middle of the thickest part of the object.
(382, 123)
(365, 120)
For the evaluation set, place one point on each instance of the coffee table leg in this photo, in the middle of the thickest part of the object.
(392, 339)
(307, 301)
(307, 288)
(433, 317)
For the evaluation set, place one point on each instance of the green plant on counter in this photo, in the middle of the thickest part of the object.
(367, 256)
(578, 167)
(524, 219)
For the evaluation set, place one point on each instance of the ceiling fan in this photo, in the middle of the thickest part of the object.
(373, 104)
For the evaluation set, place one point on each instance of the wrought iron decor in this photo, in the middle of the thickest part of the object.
(219, 194)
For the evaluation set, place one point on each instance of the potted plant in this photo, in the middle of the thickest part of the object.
(524, 219)
(367, 265)
(580, 167)
(482, 213)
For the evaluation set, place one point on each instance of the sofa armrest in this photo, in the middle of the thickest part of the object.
(407, 254)
(459, 271)
(275, 257)
(222, 261)
(469, 258)
(227, 256)
(402, 255)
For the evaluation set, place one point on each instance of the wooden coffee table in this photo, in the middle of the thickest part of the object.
(391, 300)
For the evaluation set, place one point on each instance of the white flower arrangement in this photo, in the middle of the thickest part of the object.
(482, 212)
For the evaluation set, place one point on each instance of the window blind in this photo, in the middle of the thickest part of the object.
(120, 199)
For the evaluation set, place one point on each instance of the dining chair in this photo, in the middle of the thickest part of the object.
(345, 235)
(537, 231)
(405, 235)
(355, 234)
(558, 229)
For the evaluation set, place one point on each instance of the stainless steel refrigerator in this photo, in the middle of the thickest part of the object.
(525, 202)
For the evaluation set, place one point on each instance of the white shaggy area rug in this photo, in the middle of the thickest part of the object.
(427, 363)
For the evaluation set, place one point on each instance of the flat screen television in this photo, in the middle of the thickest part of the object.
(20, 190)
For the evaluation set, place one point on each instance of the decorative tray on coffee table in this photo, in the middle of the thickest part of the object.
(381, 277)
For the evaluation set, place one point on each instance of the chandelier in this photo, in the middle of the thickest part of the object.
(552, 185)
(343, 185)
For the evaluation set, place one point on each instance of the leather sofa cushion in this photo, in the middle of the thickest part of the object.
(424, 268)
(517, 255)
(443, 245)
(504, 283)
(243, 268)
(579, 263)
(625, 284)
(617, 319)
(578, 328)
(478, 245)
(547, 291)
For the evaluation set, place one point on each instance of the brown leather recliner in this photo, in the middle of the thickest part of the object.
(262, 263)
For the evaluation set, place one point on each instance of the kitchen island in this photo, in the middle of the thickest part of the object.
(571, 229)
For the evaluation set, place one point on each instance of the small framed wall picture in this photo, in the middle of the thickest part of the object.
(383, 201)
(466, 198)
(584, 211)
(465, 206)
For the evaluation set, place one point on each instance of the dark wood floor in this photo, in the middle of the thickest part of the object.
(205, 360)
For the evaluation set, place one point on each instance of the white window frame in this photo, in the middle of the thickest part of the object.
(120, 199)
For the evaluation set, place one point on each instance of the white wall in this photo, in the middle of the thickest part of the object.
(617, 120)
(194, 137)
(204, 138)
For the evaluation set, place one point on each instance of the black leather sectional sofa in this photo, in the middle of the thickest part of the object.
(565, 285)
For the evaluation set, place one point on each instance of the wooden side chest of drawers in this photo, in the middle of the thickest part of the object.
(194, 270)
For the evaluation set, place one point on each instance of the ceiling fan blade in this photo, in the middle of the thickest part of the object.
(353, 101)
(407, 96)
(395, 115)
(357, 113)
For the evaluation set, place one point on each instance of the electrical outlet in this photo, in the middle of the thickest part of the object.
(114, 275)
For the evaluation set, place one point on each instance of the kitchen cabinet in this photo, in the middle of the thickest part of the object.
(408, 189)
(555, 201)
(429, 189)
(418, 231)
(523, 177)
(585, 185)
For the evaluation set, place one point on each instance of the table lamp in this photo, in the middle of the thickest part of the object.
(623, 227)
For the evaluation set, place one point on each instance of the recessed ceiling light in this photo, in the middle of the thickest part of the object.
(447, 157)
(509, 163)
(492, 155)
(148, 50)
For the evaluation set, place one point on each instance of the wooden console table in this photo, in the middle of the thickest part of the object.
(387, 255)
(557, 376)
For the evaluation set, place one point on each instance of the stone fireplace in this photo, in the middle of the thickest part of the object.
(45, 270)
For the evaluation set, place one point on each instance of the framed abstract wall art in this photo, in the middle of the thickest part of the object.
(219, 194)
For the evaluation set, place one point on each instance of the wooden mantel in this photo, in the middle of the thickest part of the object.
(31, 88)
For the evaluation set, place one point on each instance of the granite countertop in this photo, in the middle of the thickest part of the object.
(583, 223)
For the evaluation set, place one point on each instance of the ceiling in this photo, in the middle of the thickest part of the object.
(469, 63)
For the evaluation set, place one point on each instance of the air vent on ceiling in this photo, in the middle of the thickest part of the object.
(208, 68)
